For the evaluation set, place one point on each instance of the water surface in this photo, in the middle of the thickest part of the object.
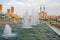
(39, 32)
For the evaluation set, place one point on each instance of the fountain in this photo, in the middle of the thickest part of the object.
(37, 19)
(26, 23)
(33, 21)
(8, 32)
(34, 18)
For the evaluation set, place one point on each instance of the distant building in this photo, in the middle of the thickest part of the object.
(3, 17)
(42, 14)
(58, 19)
(0, 8)
(9, 17)
(52, 17)
(12, 17)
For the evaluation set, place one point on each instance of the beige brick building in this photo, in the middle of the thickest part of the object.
(0, 8)
(44, 16)
(12, 17)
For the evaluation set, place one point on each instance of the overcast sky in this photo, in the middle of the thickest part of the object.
(52, 6)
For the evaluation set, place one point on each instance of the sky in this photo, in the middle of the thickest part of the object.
(52, 6)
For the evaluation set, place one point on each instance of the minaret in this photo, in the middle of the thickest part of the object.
(8, 11)
(12, 9)
(0, 8)
(40, 8)
(44, 8)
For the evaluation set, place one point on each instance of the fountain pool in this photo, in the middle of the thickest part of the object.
(8, 32)
(39, 32)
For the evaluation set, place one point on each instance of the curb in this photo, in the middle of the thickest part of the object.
(54, 30)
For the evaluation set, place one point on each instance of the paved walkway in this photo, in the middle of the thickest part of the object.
(57, 30)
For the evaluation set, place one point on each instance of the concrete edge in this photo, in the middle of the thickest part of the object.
(53, 30)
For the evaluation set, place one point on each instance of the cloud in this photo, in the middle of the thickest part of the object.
(22, 5)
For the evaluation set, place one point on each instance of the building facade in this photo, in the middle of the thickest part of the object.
(9, 17)
(42, 14)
